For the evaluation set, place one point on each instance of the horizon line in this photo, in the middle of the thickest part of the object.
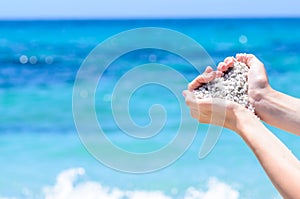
(146, 18)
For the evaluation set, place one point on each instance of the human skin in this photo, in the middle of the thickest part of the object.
(282, 167)
(273, 107)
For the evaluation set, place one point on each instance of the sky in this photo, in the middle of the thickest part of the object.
(122, 9)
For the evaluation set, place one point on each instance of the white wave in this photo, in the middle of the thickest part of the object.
(216, 189)
(67, 187)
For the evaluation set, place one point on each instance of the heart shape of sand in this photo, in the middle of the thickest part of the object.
(233, 86)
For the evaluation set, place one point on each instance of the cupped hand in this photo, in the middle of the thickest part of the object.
(212, 110)
(258, 84)
(257, 76)
(208, 75)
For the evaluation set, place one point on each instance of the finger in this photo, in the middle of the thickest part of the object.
(208, 69)
(223, 67)
(248, 59)
(190, 99)
(253, 62)
(219, 74)
(195, 113)
(202, 114)
(242, 57)
(220, 66)
(188, 95)
(184, 93)
(228, 63)
(207, 76)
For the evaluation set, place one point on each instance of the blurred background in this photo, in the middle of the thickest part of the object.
(42, 46)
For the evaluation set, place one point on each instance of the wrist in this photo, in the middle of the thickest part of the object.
(245, 120)
(279, 110)
(260, 99)
(239, 117)
(258, 95)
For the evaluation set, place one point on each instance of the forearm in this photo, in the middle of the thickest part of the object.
(282, 167)
(280, 110)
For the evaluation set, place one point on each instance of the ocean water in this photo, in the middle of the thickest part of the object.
(41, 155)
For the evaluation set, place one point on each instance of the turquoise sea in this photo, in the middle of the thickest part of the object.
(41, 155)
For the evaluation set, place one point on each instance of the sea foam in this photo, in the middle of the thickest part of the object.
(65, 188)
(68, 186)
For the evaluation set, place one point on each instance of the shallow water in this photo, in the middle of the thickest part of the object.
(38, 138)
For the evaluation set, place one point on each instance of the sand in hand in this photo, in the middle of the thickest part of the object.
(232, 85)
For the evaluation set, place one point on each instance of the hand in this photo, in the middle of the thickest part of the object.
(215, 111)
(257, 78)
(278, 109)
(207, 76)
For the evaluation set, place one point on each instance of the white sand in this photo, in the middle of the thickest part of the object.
(233, 86)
